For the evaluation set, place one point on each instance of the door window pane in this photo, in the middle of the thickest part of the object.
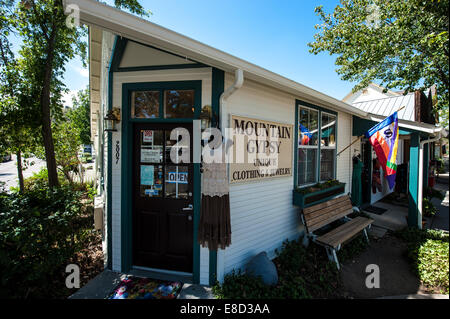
(179, 103)
(145, 104)
(183, 154)
(327, 158)
(177, 181)
(328, 130)
(307, 166)
(152, 146)
(151, 180)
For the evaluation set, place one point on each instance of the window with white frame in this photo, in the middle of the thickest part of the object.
(316, 157)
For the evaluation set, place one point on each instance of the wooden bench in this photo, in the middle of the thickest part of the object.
(320, 215)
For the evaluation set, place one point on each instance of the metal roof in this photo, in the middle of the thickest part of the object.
(387, 106)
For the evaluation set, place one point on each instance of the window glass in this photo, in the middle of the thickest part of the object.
(177, 181)
(179, 103)
(151, 180)
(327, 158)
(311, 162)
(183, 154)
(307, 166)
(308, 126)
(145, 104)
(152, 146)
(328, 130)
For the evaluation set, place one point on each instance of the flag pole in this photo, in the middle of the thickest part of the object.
(359, 137)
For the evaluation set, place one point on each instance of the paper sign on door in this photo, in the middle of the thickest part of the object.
(147, 136)
(151, 155)
(147, 174)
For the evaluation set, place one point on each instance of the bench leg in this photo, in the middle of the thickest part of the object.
(331, 252)
(365, 235)
(305, 241)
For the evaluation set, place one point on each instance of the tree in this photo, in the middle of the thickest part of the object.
(404, 44)
(80, 115)
(48, 44)
(67, 146)
(17, 132)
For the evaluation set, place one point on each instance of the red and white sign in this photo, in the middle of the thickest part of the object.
(147, 136)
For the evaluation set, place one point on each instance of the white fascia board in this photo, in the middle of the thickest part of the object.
(140, 30)
(421, 127)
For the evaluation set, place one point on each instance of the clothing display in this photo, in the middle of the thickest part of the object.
(215, 226)
(376, 178)
(356, 182)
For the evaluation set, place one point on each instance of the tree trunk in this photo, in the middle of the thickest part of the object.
(19, 172)
(46, 117)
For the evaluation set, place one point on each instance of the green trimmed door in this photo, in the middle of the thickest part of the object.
(163, 198)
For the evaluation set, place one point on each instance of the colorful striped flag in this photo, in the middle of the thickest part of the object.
(305, 135)
(384, 139)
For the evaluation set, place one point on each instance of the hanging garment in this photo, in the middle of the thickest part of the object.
(215, 227)
(356, 183)
(376, 181)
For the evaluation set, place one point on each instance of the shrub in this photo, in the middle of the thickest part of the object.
(428, 208)
(428, 252)
(302, 273)
(430, 193)
(40, 231)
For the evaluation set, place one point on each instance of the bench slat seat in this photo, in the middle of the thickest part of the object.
(344, 232)
(320, 215)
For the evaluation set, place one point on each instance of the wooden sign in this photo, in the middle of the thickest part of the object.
(261, 149)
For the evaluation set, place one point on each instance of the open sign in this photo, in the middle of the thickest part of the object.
(177, 178)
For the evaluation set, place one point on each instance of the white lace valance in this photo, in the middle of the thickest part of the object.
(215, 179)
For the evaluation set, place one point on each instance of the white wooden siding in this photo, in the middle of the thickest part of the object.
(344, 160)
(202, 74)
(262, 214)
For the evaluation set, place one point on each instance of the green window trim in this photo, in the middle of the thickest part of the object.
(298, 104)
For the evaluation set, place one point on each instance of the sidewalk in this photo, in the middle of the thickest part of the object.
(441, 219)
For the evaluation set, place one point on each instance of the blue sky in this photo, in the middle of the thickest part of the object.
(272, 34)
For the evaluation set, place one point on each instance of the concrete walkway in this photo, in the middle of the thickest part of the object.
(441, 219)
(396, 277)
(99, 287)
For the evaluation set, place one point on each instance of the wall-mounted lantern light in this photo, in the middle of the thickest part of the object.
(111, 118)
(205, 117)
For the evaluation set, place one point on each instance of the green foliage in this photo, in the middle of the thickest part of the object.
(237, 285)
(428, 251)
(428, 208)
(133, 6)
(302, 273)
(32, 85)
(40, 231)
(430, 192)
(403, 44)
(80, 115)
